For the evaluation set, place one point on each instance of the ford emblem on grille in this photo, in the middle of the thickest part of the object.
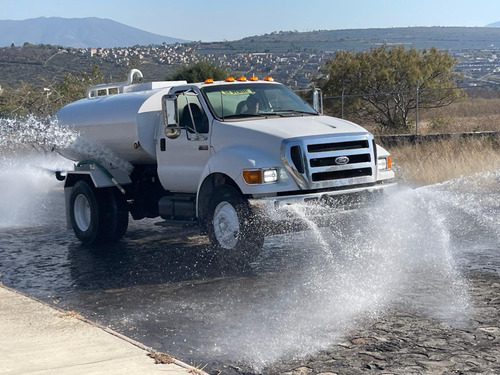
(341, 160)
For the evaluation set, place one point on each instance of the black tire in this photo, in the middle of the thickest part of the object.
(117, 214)
(97, 215)
(232, 229)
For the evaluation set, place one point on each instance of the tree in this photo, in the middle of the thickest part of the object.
(381, 84)
(72, 88)
(44, 100)
(200, 71)
(27, 99)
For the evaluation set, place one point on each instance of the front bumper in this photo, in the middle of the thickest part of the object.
(259, 201)
(278, 214)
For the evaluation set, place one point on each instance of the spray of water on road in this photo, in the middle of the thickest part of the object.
(397, 253)
(25, 163)
(28, 159)
(24, 188)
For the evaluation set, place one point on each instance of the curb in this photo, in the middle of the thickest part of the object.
(158, 357)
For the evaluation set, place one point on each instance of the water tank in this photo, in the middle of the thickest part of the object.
(119, 122)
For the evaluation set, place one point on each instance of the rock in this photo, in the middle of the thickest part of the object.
(302, 371)
(363, 340)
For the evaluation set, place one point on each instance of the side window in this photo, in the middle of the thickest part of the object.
(191, 114)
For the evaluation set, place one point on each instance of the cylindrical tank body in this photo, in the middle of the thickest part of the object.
(125, 123)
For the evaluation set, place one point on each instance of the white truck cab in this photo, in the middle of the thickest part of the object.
(227, 155)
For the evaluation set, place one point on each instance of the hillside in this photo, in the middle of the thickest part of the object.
(444, 38)
(494, 24)
(42, 65)
(290, 57)
(77, 33)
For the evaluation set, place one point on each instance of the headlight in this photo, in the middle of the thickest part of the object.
(270, 175)
(260, 176)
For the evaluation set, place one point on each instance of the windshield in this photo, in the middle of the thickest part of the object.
(254, 99)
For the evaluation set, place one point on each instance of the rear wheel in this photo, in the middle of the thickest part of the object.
(97, 215)
(232, 229)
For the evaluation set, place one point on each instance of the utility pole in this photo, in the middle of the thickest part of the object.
(416, 114)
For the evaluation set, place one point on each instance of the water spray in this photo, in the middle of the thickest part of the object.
(18, 136)
(30, 151)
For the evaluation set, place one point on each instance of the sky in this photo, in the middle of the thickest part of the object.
(219, 20)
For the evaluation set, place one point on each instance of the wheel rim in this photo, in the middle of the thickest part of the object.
(82, 212)
(226, 225)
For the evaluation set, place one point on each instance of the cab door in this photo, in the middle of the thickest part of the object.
(183, 153)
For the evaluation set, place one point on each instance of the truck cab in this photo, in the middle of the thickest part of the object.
(228, 155)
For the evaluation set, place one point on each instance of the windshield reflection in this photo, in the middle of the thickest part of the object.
(236, 101)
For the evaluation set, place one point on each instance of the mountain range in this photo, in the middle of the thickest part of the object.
(77, 33)
(106, 33)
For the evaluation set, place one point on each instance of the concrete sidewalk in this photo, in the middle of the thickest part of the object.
(36, 338)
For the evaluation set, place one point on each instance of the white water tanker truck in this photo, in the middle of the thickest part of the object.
(228, 155)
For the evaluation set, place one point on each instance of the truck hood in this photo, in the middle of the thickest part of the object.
(261, 139)
(259, 143)
(298, 126)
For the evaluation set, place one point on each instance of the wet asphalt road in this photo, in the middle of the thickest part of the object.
(346, 299)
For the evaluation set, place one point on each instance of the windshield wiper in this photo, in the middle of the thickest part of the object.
(280, 113)
(293, 112)
(245, 115)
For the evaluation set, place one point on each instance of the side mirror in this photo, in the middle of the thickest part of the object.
(318, 100)
(169, 107)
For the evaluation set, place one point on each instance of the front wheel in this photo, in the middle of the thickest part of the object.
(232, 229)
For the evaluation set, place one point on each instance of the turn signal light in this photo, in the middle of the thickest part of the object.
(260, 176)
(384, 164)
(252, 176)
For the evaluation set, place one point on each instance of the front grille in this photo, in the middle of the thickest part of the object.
(353, 159)
(351, 145)
(337, 175)
(332, 161)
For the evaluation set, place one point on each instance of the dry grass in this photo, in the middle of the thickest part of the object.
(467, 107)
(161, 358)
(434, 162)
(70, 314)
(465, 115)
